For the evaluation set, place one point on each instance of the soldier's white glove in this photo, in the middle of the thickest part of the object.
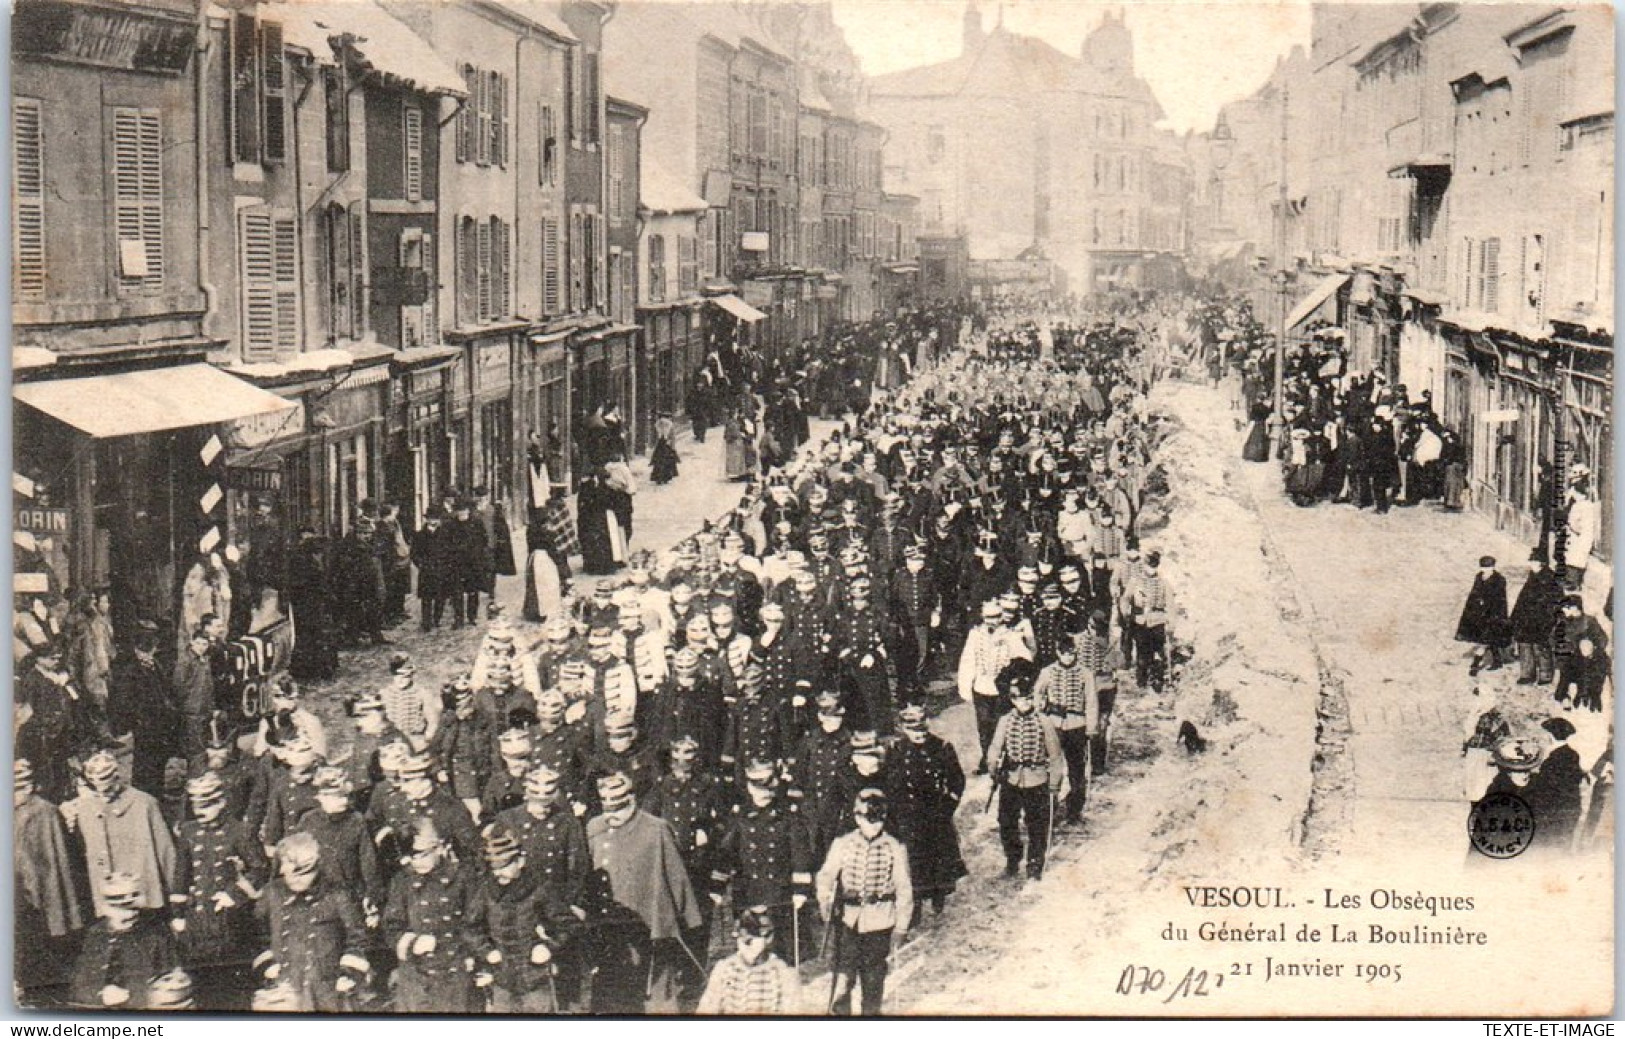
(423, 945)
(798, 701)
(716, 897)
(868, 661)
(403, 947)
(494, 956)
(483, 979)
(345, 984)
(223, 902)
(541, 955)
(579, 809)
(936, 618)
(178, 925)
(575, 712)
(369, 913)
(700, 839)
(797, 901)
(114, 996)
(273, 972)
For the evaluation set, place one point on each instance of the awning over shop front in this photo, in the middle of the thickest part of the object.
(739, 308)
(127, 403)
(1309, 304)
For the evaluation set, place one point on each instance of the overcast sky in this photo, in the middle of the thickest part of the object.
(1196, 56)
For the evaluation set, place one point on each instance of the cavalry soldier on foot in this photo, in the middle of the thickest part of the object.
(1025, 757)
(926, 784)
(1066, 694)
(865, 892)
(753, 981)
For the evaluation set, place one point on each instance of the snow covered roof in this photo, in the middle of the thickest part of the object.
(660, 192)
(382, 40)
(538, 13)
(26, 357)
(311, 362)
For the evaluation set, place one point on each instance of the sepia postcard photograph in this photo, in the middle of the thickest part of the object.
(922, 508)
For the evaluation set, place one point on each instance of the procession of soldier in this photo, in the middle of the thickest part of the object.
(695, 788)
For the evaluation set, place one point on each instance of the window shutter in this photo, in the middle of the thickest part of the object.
(657, 254)
(274, 87)
(338, 119)
(591, 98)
(412, 147)
(465, 118)
(358, 269)
(600, 261)
(339, 262)
(286, 229)
(499, 120)
(27, 198)
(431, 302)
(482, 262)
(1491, 267)
(138, 197)
(501, 300)
(468, 275)
(245, 96)
(577, 257)
(548, 146)
(258, 264)
(482, 130)
(550, 266)
(688, 259)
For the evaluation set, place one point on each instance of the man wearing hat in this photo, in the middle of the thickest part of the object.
(639, 853)
(1484, 617)
(694, 803)
(860, 653)
(926, 783)
(989, 647)
(373, 729)
(1148, 612)
(786, 659)
(123, 950)
(765, 853)
(916, 609)
(523, 924)
(349, 856)
(1026, 761)
(121, 831)
(430, 914)
(412, 710)
(140, 705)
(752, 982)
(692, 704)
(220, 870)
(759, 727)
(48, 909)
(643, 650)
(317, 935)
(421, 799)
(1533, 619)
(550, 835)
(612, 685)
(987, 575)
(821, 759)
(1554, 793)
(866, 893)
(1066, 692)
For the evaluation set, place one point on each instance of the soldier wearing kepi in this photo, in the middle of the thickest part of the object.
(1066, 693)
(123, 951)
(766, 853)
(523, 923)
(692, 802)
(220, 871)
(550, 835)
(349, 861)
(317, 935)
(926, 784)
(431, 910)
(821, 760)
(866, 893)
(639, 854)
(752, 982)
(1025, 757)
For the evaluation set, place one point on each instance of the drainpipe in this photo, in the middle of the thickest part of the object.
(200, 109)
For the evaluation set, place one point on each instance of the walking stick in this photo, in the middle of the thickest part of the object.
(795, 933)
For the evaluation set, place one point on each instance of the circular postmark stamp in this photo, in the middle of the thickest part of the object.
(1501, 826)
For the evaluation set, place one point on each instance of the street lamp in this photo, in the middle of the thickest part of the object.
(1282, 280)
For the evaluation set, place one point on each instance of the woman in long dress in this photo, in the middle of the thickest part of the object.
(734, 465)
(1257, 447)
(663, 461)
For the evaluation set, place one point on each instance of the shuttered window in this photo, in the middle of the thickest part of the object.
(418, 319)
(657, 268)
(688, 271)
(337, 114)
(549, 163)
(468, 273)
(466, 117)
(551, 305)
(482, 275)
(591, 100)
(274, 89)
(259, 91)
(27, 198)
(578, 256)
(138, 198)
(1489, 274)
(268, 245)
(497, 99)
(412, 152)
(501, 302)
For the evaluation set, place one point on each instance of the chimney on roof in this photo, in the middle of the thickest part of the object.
(973, 28)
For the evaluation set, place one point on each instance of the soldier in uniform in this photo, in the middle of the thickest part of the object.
(860, 655)
(752, 982)
(766, 853)
(916, 609)
(123, 950)
(220, 871)
(643, 650)
(694, 705)
(506, 787)
(292, 791)
(349, 857)
(1025, 757)
(759, 726)
(784, 657)
(694, 803)
(549, 833)
(866, 894)
(639, 853)
(373, 729)
(1066, 693)
(462, 744)
(612, 685)
(559, 744)
(424, 800)
(318, 938)
(625, 753)
(430, 914)
(522, 923)
(926, 783)
(821, 759)
(121, 831)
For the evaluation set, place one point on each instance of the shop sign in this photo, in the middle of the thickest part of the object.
(39, 520)
(428, 382)
(758, 294)
(1505, 415)
(425, 411)
(253, 479)
(258, 430)
(493, 364)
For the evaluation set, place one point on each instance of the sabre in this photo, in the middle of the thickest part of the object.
(795, 933)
